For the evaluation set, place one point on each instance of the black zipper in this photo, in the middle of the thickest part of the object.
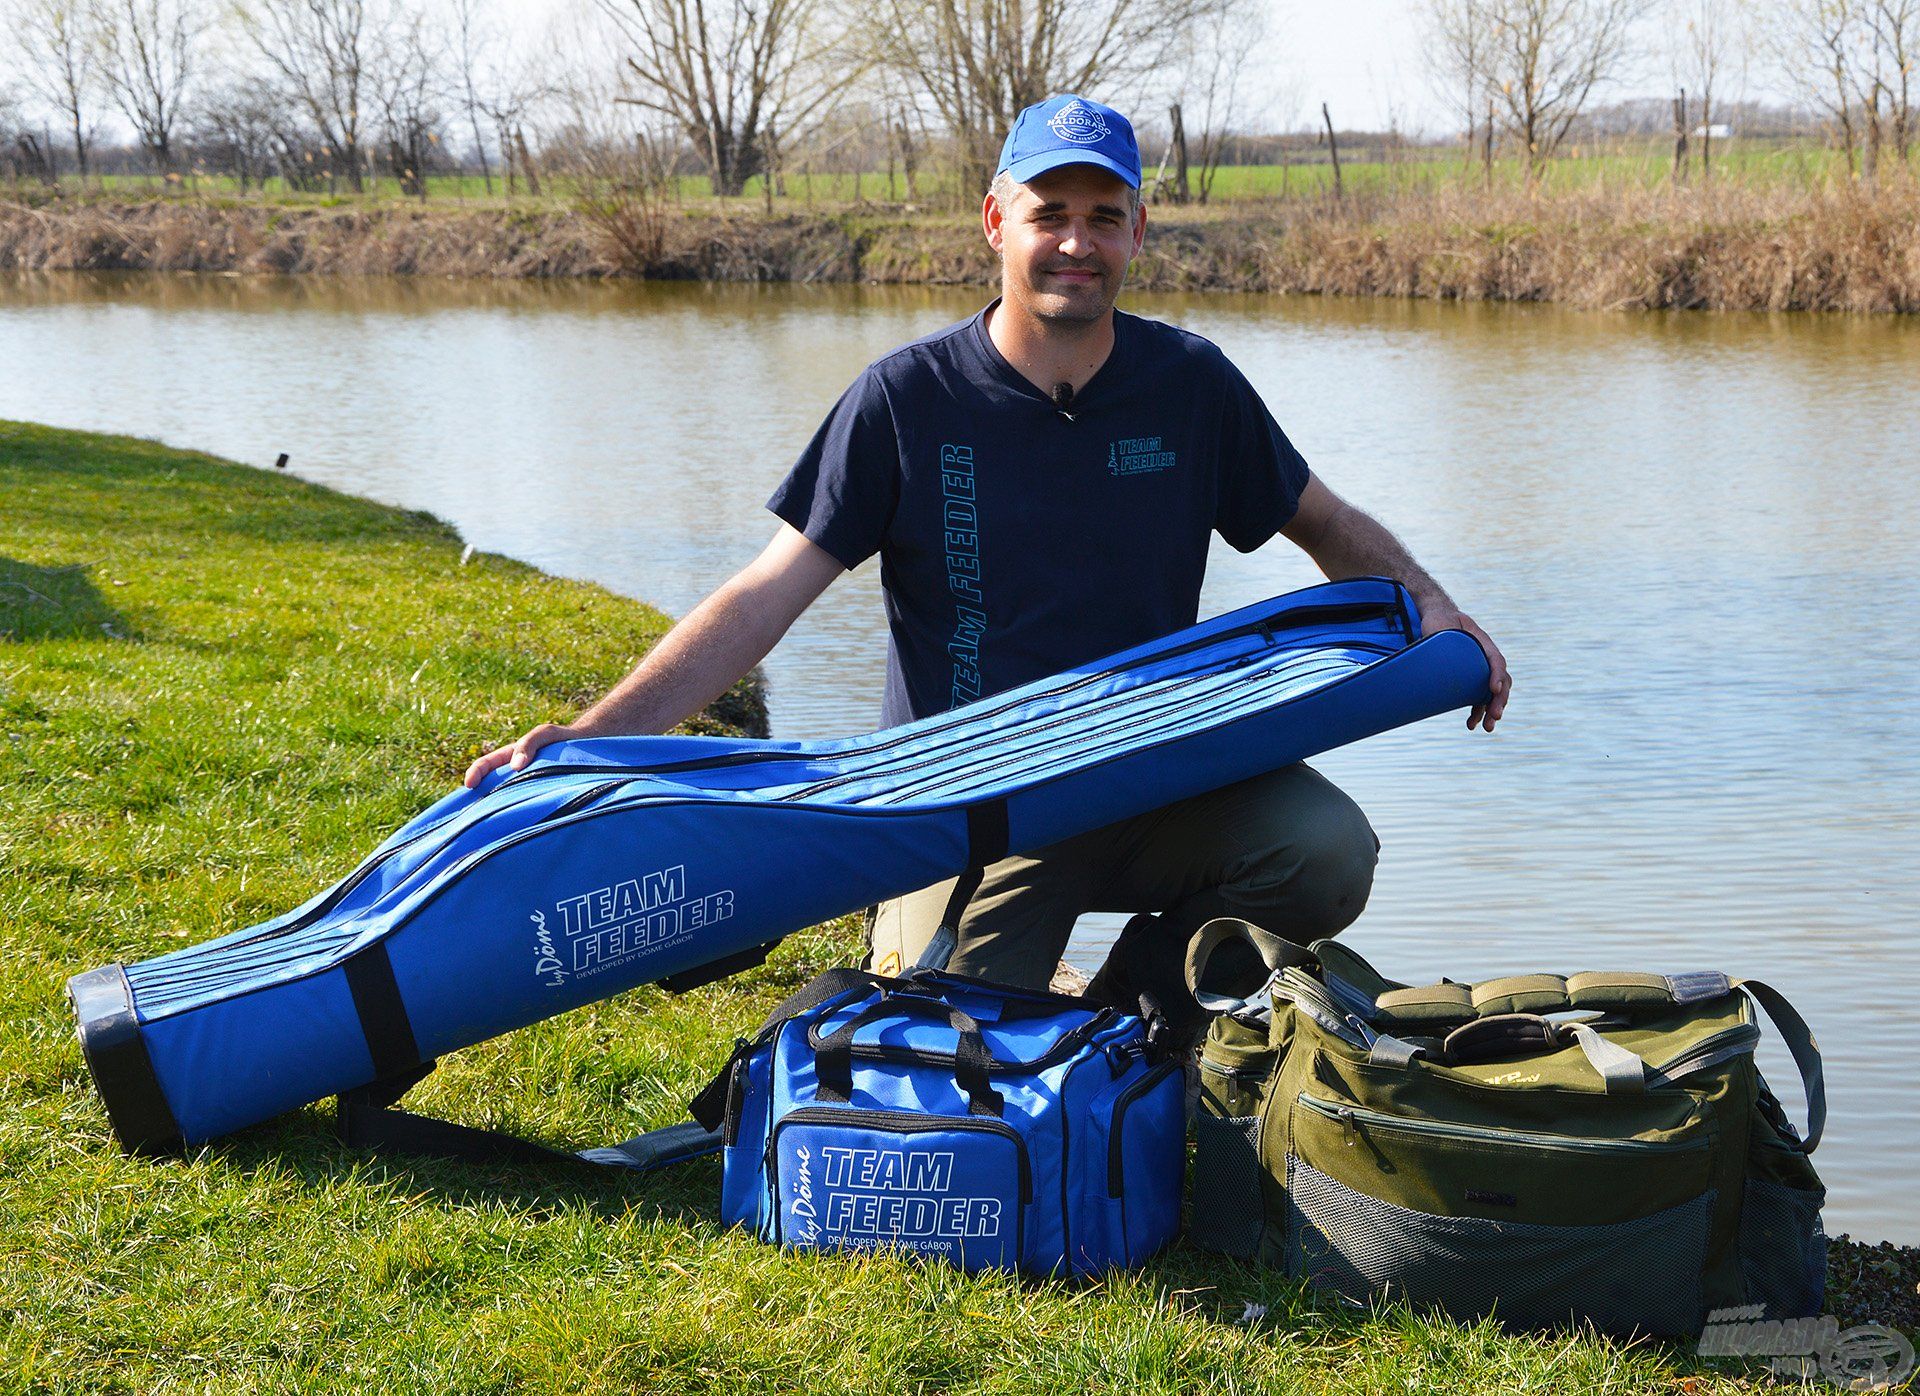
(1721, 1047)
(897, 1122)
(1358, 1119)
(1237, 1073)
(1063, 1046)
(1116, 1159)
(583, 798)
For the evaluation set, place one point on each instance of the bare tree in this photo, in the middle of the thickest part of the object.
(1215, 88)
(1815, 39)
(1856, 60)
(57, 63)
(1704, 37)
(1546, 60)
(404, 78)
(1460, 58)
(730, 71)
(1894, 27)
(977, 63)
(145, 50)
(473, 41)
(322, 51)
(237, 128)
(620, 159)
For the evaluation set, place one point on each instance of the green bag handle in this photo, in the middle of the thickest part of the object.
(1505, 1034)
(1623, 1071)
(1799, 1038)
(1275, 952)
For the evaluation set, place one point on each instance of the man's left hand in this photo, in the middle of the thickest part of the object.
(1438, 617)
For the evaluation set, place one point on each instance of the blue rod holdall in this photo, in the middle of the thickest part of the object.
(622, 861)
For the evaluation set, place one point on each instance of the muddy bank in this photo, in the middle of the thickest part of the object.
(1730, 248)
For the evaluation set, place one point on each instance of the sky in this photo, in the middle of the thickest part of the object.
(1361, 57)
(1364, 58)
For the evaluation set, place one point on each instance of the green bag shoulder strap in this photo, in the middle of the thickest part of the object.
(1800, 1042)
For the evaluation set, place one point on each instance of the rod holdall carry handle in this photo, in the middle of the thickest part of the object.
(972, 1058)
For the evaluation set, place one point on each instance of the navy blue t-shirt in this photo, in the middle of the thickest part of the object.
(1014, 542)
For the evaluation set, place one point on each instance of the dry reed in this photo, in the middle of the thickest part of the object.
(1725, 247)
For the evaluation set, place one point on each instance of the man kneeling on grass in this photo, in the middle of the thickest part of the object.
(1041, 482)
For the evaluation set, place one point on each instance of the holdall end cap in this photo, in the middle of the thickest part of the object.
(117, 1059)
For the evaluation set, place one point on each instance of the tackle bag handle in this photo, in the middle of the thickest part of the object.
(1506, 1034)
(1511, 1034)
(972, 1058)
(1274, 951)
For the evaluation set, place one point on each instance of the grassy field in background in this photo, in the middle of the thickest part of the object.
(1637, 164)
(218, 688)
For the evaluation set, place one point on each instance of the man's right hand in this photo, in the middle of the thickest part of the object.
(517, 754)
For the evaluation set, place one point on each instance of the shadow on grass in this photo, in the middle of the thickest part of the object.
(305, 1146)
(55, 603)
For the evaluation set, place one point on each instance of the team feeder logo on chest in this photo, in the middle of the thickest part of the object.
(1138, 455)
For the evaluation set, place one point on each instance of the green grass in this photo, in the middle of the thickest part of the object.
(1766, 163)
(218, 687)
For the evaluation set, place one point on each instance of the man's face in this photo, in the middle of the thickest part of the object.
(1064, 242)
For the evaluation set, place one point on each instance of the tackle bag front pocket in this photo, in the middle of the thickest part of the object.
(850, 1179)
(1133, 1162)
(1535, 1227)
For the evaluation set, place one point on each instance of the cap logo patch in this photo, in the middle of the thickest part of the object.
(1079, 123)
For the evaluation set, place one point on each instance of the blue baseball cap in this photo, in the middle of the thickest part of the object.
(1070, 130)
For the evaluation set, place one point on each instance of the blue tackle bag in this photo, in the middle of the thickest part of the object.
(941, 1116)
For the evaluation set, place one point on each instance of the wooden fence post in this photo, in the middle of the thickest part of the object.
(1333, 144)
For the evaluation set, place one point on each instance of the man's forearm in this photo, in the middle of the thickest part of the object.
(694, 663)
(1355, 544)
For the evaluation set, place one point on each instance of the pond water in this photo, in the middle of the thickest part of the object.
(1694, 536)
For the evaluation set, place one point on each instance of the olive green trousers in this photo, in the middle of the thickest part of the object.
(1288, 851)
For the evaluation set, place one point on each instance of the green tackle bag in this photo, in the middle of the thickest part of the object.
(1598, 1149)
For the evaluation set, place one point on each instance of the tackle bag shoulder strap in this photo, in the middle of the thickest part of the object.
(367, 1117)
(1800, 1042)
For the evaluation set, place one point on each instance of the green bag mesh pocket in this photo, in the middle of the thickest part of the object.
(1227, 1214)
(1783, 1249)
